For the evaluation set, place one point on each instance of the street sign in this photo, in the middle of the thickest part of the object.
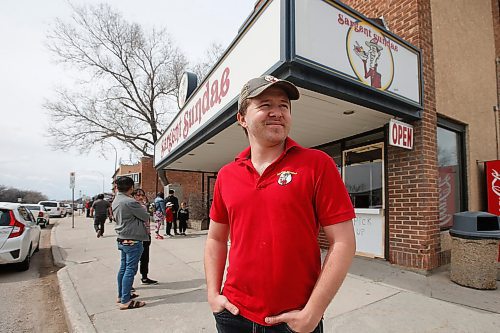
(72, 180)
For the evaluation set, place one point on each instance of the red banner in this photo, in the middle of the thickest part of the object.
(493, 186)
(492, 170)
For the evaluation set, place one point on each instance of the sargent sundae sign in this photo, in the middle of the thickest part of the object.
(371, 55)
(200, 108)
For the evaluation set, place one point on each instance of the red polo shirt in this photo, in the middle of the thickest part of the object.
(274, 259)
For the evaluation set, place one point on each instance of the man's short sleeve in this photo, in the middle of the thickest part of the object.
(331, 201)
(218, 211)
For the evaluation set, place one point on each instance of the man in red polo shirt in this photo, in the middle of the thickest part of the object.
(272, 201)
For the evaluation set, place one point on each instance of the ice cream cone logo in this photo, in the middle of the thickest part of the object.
(285, 177)
(494, 187)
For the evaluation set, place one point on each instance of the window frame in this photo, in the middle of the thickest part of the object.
(460, 130)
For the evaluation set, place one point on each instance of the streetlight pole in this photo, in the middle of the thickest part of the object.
(99, 172)
(116, 157)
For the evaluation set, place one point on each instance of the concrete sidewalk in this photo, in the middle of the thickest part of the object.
(376, 297)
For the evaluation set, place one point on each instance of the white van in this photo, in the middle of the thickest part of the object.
(55, 208)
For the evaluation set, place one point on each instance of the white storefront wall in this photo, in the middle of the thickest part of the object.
(324, 35)
(254, 53)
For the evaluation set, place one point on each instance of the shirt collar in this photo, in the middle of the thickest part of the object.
(245, 154)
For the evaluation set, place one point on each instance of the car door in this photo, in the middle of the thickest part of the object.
(31, 226)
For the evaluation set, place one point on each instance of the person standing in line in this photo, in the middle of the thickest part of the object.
(141, 198)
(87, 208)
(175, 207)
(100, 209)
(130, 218)
(183, 216)
(159, 213)
(275, 281)
(169, 218)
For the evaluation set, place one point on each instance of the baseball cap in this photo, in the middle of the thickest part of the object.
(256, 86)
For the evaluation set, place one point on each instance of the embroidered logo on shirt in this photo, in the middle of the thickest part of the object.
(285, 177)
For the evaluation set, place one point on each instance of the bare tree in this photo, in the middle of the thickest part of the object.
(212, 54)
(128, 81)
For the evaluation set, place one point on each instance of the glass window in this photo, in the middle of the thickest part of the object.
(450, 152)
(363, 177)
(334, 151)
(4, 217)
(48, 203)
(26, 215)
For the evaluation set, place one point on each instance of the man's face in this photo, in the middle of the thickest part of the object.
(267, 118)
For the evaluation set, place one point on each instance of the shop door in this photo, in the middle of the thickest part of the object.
(363, 174)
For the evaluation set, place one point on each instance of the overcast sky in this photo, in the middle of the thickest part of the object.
(28, 77)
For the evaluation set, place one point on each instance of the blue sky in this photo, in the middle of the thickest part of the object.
(29, 76)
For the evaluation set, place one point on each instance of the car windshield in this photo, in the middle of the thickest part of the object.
(32, 207)
(4, 217)
(49, 204)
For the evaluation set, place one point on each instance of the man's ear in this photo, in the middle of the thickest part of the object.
(241, 120)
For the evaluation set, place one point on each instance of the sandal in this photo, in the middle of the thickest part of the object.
(132, 296)
(133, 305)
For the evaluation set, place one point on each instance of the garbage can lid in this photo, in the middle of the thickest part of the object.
(475, 225)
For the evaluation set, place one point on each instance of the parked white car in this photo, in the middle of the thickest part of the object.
(55, 208)
(19, 235)
(40, 214)
(69, 209)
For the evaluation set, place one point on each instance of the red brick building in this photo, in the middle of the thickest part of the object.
(403, 95)
(188, 186)
(144, 175)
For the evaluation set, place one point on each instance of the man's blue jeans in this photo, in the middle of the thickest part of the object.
(229, 323)
(130, 255)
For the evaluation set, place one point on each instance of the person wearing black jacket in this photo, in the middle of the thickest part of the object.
(175, 202)
(183, 216)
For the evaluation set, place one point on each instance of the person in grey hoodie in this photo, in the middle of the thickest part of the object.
(130, 228)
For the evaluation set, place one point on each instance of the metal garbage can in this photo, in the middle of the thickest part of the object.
(474, 249)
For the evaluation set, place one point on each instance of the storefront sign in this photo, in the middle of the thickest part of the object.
(400, 134)
(369, 231)
(250, 56)
(493, 186)
(333, 38)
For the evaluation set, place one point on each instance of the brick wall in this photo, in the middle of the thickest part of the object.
(150, 182)
(495, 7)
(126, 169)
(412, 175)
(195, 189)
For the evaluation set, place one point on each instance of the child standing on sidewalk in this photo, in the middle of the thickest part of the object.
(183, 217)
(159, 213)
(169, 217)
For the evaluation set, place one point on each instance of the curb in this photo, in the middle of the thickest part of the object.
(77, 317)
(56, 250)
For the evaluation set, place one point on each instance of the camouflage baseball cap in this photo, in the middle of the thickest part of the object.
(255, 87)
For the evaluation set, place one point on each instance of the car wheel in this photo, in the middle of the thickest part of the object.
(25, 264)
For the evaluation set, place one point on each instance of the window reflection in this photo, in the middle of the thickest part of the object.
(449, 148)
(363, 176)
